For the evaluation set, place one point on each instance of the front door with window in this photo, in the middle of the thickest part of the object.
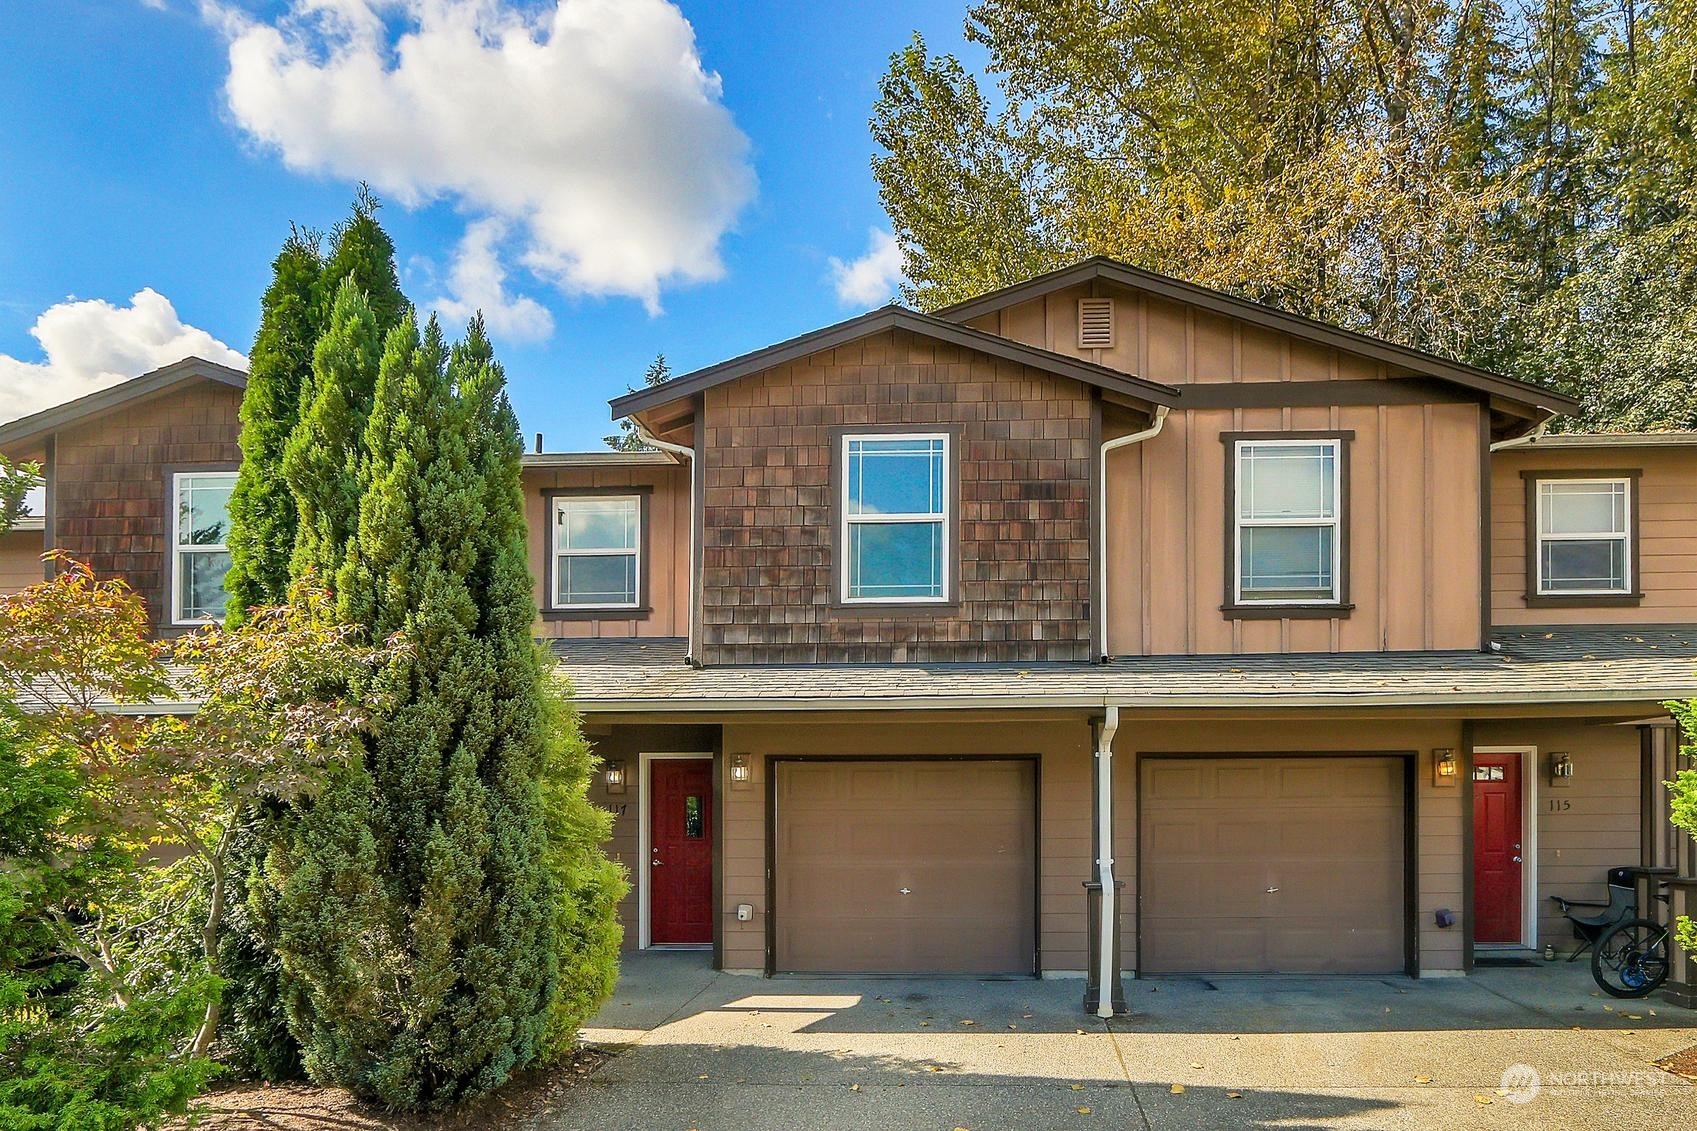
(680, 852)
(1498, 859)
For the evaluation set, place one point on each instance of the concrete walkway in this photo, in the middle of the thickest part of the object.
(702, 1050)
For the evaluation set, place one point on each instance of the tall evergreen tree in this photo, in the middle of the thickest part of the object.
(626, 438)
(262, 511)
(419, 910)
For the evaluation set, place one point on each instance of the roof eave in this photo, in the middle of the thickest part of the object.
(1101, 267)
(878, 321)
(151, 383)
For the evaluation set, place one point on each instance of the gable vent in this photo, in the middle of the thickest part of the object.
(1095, 323)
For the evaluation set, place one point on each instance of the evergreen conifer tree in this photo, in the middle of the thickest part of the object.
(262, 511)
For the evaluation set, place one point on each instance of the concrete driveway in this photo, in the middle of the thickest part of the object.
(709, 1051)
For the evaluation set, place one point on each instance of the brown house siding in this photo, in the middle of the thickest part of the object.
(665, 570)
(20, 559)
(1666, 534)
(109, 493)
(1023, 456)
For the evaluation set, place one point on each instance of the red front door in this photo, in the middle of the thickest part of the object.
(680, 851)
(1497, 855)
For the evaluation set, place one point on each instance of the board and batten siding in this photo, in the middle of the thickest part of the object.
(666, 566)
(1667, 533)
(1414, 518)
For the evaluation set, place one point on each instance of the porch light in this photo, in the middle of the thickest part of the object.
(1444, 767)
(615, 773)
(1561, 766)
(741, 771)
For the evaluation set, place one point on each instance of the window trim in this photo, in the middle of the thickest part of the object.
(1233, 605)
(550, 609)
(949, 601)
(1534, 596)
(173, 475)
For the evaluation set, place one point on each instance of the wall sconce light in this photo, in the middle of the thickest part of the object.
(615, 775)
(1444, 767)
(1561, 765)
(742, 770)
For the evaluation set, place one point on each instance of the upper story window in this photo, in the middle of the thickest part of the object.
(1583, 537)
(1287, 525)
(200, 533)
(895, 516)
(597, 562)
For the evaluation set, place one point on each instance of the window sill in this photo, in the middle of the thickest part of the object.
(848, 610)
(1287, 612)
(597, 612)
(1584, 601)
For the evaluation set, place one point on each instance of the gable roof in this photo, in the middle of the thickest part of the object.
(1231, 306)
(895, 318)
(161, 380)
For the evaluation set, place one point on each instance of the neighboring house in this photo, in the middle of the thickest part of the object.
(917, 632)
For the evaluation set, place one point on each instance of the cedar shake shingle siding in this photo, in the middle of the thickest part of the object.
(1023, 458)
(110, 482)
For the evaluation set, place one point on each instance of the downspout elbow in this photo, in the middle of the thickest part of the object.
(1115, 444)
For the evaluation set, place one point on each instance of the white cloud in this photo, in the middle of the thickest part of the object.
(88, 344)
(590, 125)
(873, 279)
(477, 281)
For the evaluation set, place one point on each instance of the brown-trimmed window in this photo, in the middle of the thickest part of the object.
(1581, 536)
(1287, 545)
(596, 548)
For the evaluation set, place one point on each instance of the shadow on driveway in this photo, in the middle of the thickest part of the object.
(704, 1050)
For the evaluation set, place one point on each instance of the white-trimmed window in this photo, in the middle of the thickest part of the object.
(597, 551)
(895, 518)
(1584, 537)
(200, 546)
(1287, 530)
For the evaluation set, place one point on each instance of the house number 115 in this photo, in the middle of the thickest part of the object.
(1560, 804)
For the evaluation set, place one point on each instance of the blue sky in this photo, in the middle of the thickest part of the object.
(578, 166)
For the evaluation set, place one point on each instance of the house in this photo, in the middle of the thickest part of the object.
(1104, 625)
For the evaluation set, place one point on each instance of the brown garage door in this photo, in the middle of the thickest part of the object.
(899, 866)
(1272, 865)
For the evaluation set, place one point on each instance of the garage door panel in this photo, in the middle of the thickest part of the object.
(1272, 864)
(905, 866)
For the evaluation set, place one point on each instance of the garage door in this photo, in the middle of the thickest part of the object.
(1276, 865)
(898, 866)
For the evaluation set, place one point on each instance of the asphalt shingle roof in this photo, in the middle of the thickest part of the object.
(1533, 666)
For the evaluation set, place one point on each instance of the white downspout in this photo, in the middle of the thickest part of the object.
(1527, 440)
(687, 453)
(1105, 972)
(1148, 433)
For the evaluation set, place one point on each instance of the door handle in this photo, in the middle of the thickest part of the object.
(655, 862)
(1517, 859)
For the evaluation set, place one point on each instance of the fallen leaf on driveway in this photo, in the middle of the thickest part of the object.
(1483, 1100)
(1082, 1110)
(1078, 1087)
(968, 1021)
(1011, 1025)
(1193, 1064)
(703, 1076)
(933, 1068)
(1176, 1089)
(1634, 1016)
(1234, 1095)
(1422, 1079)
(854, 1087)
